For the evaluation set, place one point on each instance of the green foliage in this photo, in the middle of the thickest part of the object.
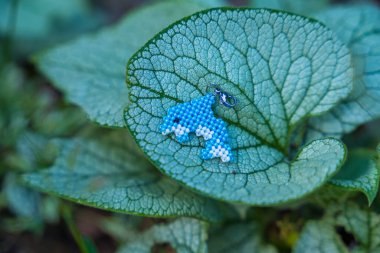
(262, 72)
(21, 200)
(90, 70)
(360, 173)
(35, 24)
(357, 26)
(320, 236)
(238, 237)
(15, 107)
(184, 235)
(109, 172)
(301, 85)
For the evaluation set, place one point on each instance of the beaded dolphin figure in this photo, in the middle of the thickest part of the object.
(197, 117)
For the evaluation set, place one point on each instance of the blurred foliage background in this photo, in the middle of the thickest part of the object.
(32, 112)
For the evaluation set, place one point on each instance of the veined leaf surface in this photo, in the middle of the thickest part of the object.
(282, 68)
(90, 70)
(361, 173)
(359, 27)
(110, 173)
(184, 235)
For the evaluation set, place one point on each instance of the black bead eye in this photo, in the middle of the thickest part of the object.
(176, 120)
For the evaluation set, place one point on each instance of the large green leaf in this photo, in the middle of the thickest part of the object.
(238, 237)
(90, 70)
(361, 172)
(320, 236)
(184, 235)
(359, 27)
(110, 173)
(281, 68)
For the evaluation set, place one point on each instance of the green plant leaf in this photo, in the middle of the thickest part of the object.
(238, 237)
(90, 70)
(34, 151)
(364, 225)
(21, 200)
(358, 26)
(321, 236)
(281, 68)
(184, 235)
(60, 122)
(361, 172)
(38, 18)
(296, 6)
(39, 23)
(109, 172)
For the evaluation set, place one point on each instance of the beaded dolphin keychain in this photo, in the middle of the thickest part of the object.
(197, 117)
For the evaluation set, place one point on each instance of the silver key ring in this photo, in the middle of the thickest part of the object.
(225, 98)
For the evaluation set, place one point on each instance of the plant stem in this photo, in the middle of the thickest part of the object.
(78, 237)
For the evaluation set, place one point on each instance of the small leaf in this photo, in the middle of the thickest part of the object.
(358, 26)
(281, 68)
(34, 151)
(364, 225)
(238, 237)
(108, 172)
(321, 236)
(21, 200)
(361, 172)
(184, 235)
(90, 70)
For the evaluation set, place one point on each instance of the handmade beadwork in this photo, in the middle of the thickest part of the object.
(197, 117)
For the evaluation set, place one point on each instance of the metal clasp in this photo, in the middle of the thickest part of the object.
(225, 98)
